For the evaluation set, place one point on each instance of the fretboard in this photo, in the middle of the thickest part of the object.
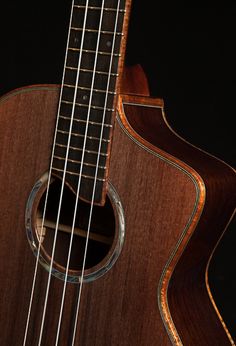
(88, 96)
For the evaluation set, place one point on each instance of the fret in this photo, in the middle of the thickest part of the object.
(85, 121)
(108, 41)
(109, 9)
(94, 52)
(108, 44)
(77, 174)
(80, 149)
(80, 128)
(91, 71)
(88, 61)
(78, 142)
(75, 157)
(96, 3)
(100, 81)
(82, 136)
(79, 162)
(78, 155)
(76, 167)
(109, 19)
(89, 89)
(105, 32)
(95, 115)
(86, 97)
(85, 105)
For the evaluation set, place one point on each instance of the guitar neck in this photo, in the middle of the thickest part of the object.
(90, 84)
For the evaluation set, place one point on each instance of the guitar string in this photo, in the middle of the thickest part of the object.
(80, 175)
(40, 240)
(63, 178)
(95, 180)
(40, 235)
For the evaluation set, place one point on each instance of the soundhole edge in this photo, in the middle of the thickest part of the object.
(107, 243)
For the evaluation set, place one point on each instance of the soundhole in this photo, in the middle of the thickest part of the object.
(105, 226)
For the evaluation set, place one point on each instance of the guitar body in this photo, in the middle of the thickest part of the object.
(177, 201)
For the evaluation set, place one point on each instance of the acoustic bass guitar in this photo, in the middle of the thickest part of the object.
(108, 218)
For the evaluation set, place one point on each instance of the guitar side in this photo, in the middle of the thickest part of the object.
(169, 193)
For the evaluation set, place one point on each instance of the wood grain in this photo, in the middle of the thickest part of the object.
(189, 286)
(177, 201)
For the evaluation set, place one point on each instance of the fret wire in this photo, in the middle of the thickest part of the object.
(88, 59)
(84, 105)
(83, 95)
(88, 89)
(89, 51)
(77, 174)
(79, 149)
(79, 162)
(99, 8)
(105, 32)
(84, 121)
(90, 71)
(82, 136)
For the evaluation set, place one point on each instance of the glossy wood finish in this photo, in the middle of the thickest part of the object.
(111, 304)
(160, 180)
(197, 322)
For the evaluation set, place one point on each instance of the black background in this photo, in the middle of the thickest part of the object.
(189, 56)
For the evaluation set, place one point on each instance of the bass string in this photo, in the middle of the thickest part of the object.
(80, 174)
(77, 194)
(40, 235)
(64, 173)
(57, 224)
(95, 180)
